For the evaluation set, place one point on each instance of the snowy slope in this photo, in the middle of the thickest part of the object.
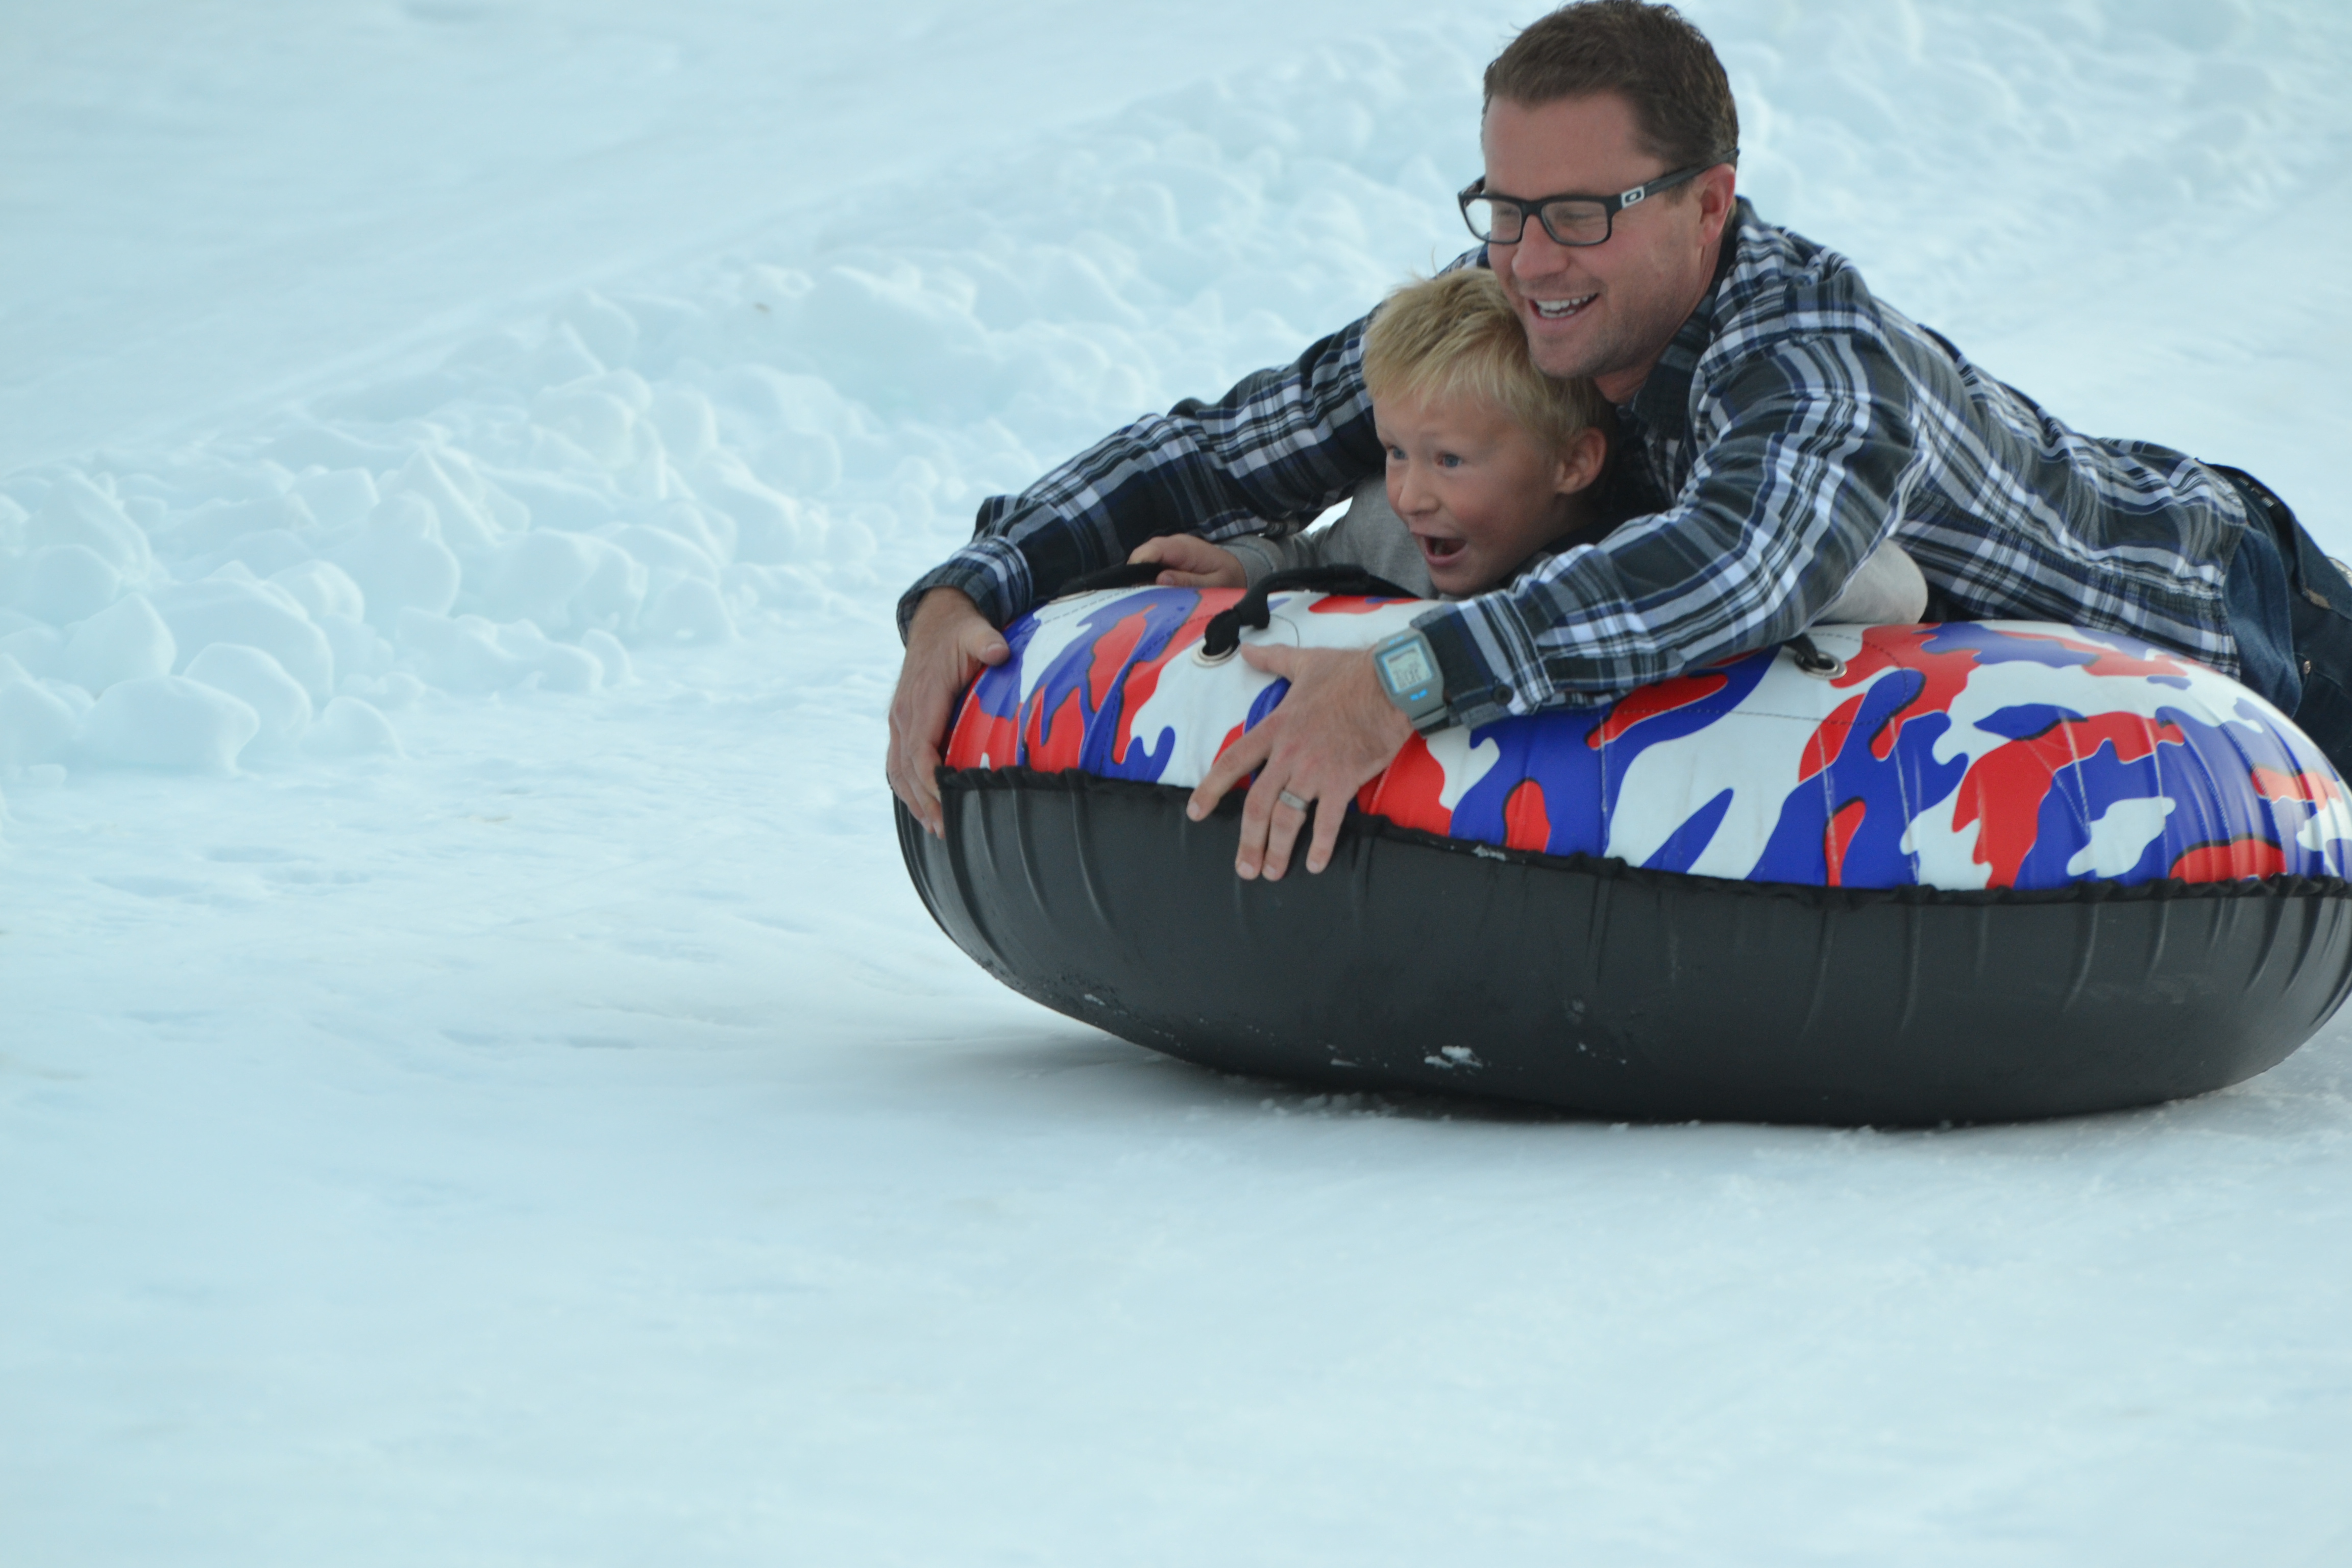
(477, 1085)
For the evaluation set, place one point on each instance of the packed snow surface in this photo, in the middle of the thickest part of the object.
(476, 1086)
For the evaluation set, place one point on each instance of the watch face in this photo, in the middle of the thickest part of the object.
(1406, 667)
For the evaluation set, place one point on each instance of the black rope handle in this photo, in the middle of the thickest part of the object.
(1222, 635)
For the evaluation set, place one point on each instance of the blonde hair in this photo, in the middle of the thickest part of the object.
(1455, 334)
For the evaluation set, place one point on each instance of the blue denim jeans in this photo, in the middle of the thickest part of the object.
(2261, 620)
(2290, 610)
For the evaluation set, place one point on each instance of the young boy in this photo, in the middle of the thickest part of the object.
(1488, 463)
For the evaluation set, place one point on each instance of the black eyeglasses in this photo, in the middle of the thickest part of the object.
(1569, 219)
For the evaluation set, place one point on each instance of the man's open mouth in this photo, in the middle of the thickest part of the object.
(1561, 310)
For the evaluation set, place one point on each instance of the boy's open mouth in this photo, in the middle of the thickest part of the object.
(1561, 310)
(1435, 548)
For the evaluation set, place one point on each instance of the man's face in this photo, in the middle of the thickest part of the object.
(1604, 310)
(1479, 493)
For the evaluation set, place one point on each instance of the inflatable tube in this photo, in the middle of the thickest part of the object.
(1970, 872)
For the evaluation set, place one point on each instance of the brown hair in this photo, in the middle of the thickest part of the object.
(1455, 334)
(1648, 54)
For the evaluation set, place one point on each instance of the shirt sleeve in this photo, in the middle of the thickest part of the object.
(1805, 454)
(1279, 448)
(1264, 554)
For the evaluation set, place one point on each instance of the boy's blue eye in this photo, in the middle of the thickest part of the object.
(1448, 460)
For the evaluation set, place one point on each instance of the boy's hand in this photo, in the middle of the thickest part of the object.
(1191, 561)
(948, 643)
(1333, 730)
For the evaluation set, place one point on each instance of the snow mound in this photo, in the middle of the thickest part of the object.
(642, 470)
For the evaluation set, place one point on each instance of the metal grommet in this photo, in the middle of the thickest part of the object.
(1812, 660)
(1200, 654)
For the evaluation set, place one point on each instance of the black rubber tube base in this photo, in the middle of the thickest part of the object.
(1419, 962)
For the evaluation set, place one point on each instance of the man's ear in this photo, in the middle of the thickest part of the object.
(1718, 192)
(1581, 463)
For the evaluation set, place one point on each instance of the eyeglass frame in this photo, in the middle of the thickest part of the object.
(1475, 191)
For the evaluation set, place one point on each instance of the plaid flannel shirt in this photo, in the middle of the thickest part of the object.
(1793, 424)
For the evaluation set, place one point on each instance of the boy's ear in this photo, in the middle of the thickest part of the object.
(1579, 464)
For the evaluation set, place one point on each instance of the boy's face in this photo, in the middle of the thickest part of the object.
(1479, 493)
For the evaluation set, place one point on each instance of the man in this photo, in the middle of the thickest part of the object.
(1776, 422)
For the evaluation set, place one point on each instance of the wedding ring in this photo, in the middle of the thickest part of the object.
(1291, 801)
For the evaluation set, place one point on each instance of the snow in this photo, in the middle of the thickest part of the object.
(477, 1085)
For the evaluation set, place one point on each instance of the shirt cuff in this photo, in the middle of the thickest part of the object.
(1259, 556)
(991, 572)
(1474, 693)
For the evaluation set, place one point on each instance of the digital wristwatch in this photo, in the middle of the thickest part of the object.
(1407, 667)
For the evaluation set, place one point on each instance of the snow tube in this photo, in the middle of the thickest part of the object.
(1963, 872)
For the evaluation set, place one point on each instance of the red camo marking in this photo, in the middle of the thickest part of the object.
(1235, 733)
(1109, 654)
(1943, 677)
(1055, 743)
(1349, 604)
(2007, 785)
(1143, 679)
(1411, 793)
(982, 739)
(2316, 788)
(1651, 701)
(1837, 837)
(1829, 738)
(2231, 862)
(1526, 824)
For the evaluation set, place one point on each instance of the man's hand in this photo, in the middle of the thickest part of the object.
(1333, 730)
(1191, 561)
(948, 643)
